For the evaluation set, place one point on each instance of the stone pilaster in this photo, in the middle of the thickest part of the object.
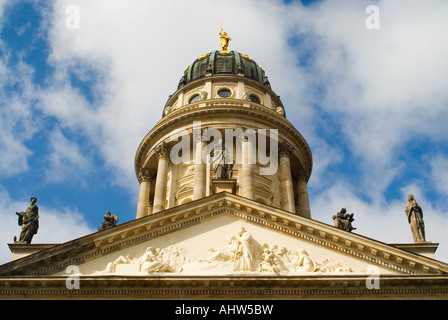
(162, 151)
(285, 152)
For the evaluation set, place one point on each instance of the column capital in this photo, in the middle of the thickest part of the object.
(146, 175)
(298, 176)
(162, 150)
(284, 149)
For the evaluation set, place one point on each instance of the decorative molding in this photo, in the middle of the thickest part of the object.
(162, 150)
(146, 175)
(285, 150)
(150, 227)
(222, 107)
(256, 287)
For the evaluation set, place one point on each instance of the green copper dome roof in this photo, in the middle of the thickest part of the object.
(217, 62)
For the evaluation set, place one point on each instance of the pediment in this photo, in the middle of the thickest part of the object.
(195, 239)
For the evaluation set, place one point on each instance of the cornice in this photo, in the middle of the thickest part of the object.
(203, 287)
(222, 78)
(225, 108)
(75, 252)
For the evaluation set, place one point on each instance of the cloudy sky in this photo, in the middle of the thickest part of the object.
(83, 81)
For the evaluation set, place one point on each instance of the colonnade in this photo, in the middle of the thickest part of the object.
(246, 179)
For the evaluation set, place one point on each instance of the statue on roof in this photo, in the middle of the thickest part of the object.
(29, 221)
(414, 213)
(225, 39)
(343, 220)
(110, 220)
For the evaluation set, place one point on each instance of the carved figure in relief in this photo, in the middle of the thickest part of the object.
(242, 254)
(328, 265)
(178, 259)
(112, 266)
(248, 255)
(204, 95)
(224, 255)
(282, 253)
(271, 262)
(267, 264)
(151, 262)
(247, 251)
(303, 262)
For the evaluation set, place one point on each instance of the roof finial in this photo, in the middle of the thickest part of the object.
(224, 40)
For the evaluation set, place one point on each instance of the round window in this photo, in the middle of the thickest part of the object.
(194, 98)
(224, 93)
(254, 98)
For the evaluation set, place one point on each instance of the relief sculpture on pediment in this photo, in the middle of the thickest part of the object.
(154, 260)
(242, 254)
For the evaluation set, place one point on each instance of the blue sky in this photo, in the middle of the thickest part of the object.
(75, 103)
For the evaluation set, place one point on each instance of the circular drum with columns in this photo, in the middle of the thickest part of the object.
(223, 99)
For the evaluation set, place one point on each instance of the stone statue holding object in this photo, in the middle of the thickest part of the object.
(343, 220)
(221, 162)
(225, 39)
(110, 220)
(414, 213)
(29, 221)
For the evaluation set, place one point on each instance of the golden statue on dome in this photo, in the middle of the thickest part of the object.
(224, 41)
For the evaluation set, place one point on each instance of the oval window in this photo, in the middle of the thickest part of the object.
(224, 93)
(194, 98)
(254, 98)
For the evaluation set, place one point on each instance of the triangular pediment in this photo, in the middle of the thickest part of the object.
(195, 239)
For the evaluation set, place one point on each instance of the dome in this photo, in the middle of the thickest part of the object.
(228, 62)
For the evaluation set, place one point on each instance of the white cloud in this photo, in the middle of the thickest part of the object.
(66, 162)
(439, 173)
(17, 123)
(386, 85)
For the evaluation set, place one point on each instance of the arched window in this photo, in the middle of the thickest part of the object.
(194, 98)
(254, 99)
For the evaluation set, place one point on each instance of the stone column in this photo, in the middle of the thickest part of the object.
(302, 192)
(286, 177)
(163, 153)
(200, 174)
(246, 176)
(145, 177)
